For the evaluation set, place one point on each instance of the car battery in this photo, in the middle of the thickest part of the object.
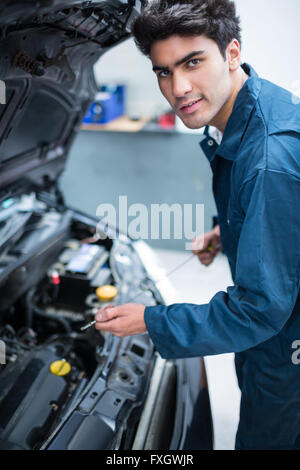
(81, 271)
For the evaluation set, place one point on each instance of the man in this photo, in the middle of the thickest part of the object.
(194, 47)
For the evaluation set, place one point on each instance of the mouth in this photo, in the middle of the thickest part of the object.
(190, 107)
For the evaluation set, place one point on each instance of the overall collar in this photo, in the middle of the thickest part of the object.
(237, 122)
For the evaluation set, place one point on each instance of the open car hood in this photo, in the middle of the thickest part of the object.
(47, 83)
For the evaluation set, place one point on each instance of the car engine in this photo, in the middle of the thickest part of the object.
(51, 265)
(61, 386)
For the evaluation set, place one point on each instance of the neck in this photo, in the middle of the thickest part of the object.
(238, 82)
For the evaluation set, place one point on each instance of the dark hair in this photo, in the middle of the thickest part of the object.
(160, 19)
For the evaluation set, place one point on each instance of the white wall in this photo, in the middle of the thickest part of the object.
(125, 64)
(271, 38)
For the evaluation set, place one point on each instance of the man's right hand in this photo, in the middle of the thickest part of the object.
(207, 246)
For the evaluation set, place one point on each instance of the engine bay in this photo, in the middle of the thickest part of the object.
(61, 387)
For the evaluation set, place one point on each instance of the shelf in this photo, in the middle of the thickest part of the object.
(121, 124)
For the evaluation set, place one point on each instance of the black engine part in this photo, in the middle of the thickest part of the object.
(32, 397)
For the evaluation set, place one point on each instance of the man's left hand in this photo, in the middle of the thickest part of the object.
(123, 320)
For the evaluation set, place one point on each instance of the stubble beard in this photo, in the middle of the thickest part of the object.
(198, 120)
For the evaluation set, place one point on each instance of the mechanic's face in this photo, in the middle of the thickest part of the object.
(194, 78)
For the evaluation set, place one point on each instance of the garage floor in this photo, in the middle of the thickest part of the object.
(196, 283)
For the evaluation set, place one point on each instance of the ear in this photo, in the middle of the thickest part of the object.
(233, 53)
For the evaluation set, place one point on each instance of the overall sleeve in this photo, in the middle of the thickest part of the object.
(266, 282)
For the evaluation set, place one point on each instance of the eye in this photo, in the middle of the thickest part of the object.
(163, 73)
(193, 62)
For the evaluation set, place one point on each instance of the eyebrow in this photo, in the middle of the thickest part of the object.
(179, 62)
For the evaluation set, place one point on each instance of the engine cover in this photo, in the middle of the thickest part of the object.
(31, 397)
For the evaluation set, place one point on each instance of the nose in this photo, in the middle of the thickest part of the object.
(181, 85)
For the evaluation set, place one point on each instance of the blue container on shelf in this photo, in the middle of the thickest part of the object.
(109, 104)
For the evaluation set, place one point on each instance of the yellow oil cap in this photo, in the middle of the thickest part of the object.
(106, 293)
(61, 367)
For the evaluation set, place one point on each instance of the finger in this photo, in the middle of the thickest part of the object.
(199, 243)
(208, 250)
(106, 313)
(205, 257)
(207, 262)
(214, 253)
(111, 325)
(211, 253)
